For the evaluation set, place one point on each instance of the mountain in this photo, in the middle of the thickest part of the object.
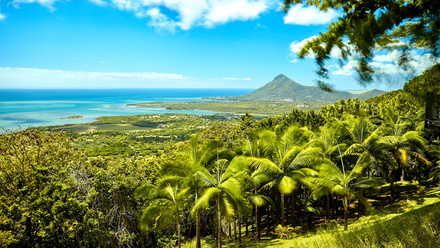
(282, 88)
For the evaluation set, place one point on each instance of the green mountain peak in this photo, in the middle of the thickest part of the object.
(282, 88)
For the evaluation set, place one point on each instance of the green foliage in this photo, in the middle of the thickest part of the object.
(151, 186)
(39, 204)
(426, 85)
(230, 109)
(51, 195)
(366, 25)
(285, 232)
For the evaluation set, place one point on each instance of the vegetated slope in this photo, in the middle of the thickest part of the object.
(282, 88)
(411, 222)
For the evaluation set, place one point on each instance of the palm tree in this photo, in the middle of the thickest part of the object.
(342, 182)
(363, 137)
(165, 206)
(400, 148)
(223, 191)
(260, 172)
(290, 152)
(187, 172)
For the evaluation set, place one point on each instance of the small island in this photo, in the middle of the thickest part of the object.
(73, 117)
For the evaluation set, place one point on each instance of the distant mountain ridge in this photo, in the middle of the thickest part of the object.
(282, 88)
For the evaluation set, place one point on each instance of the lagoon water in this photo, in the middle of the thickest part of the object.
(38, 107)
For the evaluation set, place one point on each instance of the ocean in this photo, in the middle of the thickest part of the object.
(22, 108)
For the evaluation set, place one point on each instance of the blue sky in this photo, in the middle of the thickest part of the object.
(166, 43)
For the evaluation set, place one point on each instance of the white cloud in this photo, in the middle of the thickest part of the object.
(46, 3)
(299, 14)
(382, 62)
(2, 16)
(230, 10)
(183, 14)
(159, 20)
(388, 64)
(295, 47)
(33, 77)
(98, 2)
(46, 78)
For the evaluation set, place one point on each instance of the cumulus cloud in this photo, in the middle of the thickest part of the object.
(182, 14)
(295, 47)
(388, 63)
(191, 13)
(299, 14)
(382, 62)
(230, 10)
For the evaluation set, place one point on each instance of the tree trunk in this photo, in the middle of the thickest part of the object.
(246, 224)
(215, 225)
(229, 230)
(293, 208)
(257, 219)
(219, 226)
(257, 225)
(252, 224)
(361, 206)
(345, 213)
(392, 188)
(268, 220)
(328, 207)
(283, 216)
(198, 235)
(334, 206)
(235, 228)
(402, 176)
(179, 239)
(239, 228)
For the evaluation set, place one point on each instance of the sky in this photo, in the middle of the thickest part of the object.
(169, 44)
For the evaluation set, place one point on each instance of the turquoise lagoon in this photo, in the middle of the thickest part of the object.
(21, 108)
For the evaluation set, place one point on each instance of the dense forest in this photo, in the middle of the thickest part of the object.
(205, 180)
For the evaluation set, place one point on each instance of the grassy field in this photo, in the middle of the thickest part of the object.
(413, 221)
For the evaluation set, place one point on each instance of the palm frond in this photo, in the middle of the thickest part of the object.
(420, 157)
(306, 157)
(363, 161)
(207, 178)
(232, 187)
(329, 170)
(204, 201)
(368, 183)
(145, 190)
(148, 218)
(287, 185)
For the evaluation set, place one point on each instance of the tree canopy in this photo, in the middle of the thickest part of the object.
(425, 85)
(369, 26)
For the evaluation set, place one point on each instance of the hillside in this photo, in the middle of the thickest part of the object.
(282, 88)
(410, 222)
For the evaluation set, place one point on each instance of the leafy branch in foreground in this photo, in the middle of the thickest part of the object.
(365, 26)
